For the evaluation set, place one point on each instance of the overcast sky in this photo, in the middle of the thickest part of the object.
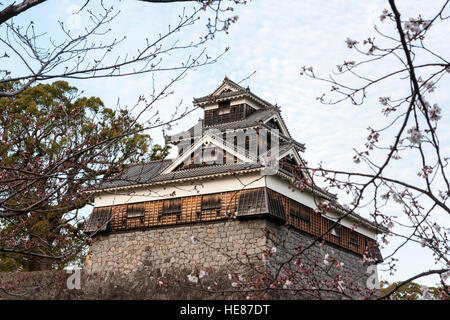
(275, 38)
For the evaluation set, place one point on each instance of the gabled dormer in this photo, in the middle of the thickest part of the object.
(229, 103)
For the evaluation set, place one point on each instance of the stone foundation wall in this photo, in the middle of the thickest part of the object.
(230, 247)
(130, 266)
(204, 246)
(295, 253)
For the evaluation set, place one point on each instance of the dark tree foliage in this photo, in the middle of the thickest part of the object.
(54, 145)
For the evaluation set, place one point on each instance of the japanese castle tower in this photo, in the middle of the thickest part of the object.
(238, 188)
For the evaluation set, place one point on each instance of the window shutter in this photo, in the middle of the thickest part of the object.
(135, 210)
(212, 201)
(172, 206)
(299, 211)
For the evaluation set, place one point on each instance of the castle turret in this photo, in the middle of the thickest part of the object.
(238, 174)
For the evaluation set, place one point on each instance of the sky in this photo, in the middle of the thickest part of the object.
(272, 40)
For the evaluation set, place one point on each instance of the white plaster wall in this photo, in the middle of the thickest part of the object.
(157, 192)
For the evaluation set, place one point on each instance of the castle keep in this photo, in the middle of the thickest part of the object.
(235, 200)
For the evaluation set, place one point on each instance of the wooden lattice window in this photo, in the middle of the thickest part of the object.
(99, 219)
(224, 112)
(299, 211)
(211, 201)
(172, 206)
(252, 202)
(353, 240)
(211, 117)
(276, 207)
(135, 210)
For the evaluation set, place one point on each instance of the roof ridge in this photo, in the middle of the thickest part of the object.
(226, 79)
(149, 162)
(212, 165)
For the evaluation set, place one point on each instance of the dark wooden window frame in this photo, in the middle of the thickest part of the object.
(172, 206)
(135, 210)
(353, 239)
(224, 104)
(211, 201)
(299, 211)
